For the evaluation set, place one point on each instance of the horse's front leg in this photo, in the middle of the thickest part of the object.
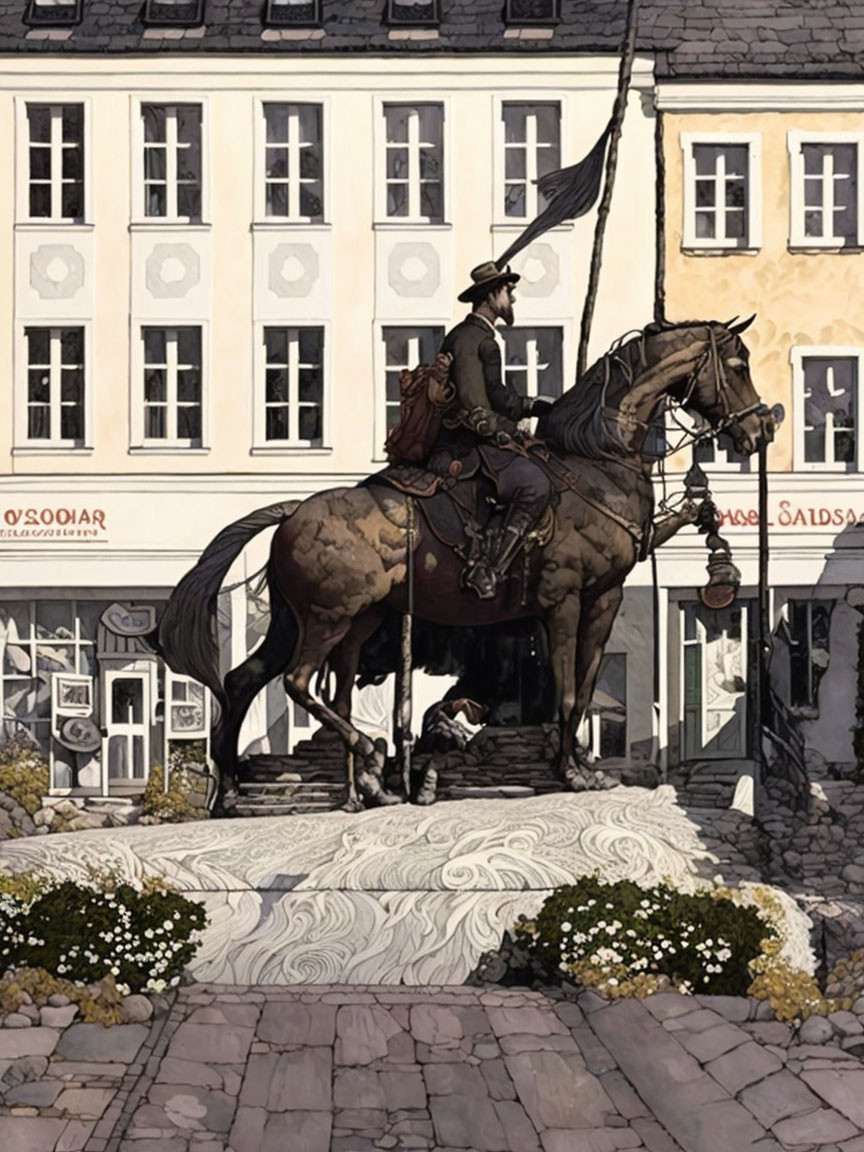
(563, 629)
(595, 627)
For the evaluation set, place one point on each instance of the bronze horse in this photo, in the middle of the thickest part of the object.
(339, 559)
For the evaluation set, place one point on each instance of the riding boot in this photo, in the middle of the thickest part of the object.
(488, 573)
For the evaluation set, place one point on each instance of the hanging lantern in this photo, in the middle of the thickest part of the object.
(724, 580)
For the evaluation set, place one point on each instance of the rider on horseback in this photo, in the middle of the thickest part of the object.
(479, 427)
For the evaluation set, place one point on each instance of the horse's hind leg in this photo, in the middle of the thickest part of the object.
(317, 645)
(242, 685)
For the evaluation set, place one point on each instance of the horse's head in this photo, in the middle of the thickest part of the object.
(719, 388)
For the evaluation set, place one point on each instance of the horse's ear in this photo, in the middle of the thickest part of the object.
(743, 326)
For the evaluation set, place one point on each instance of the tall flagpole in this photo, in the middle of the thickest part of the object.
(625, 71)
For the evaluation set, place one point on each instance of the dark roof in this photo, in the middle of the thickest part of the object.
(735, 39)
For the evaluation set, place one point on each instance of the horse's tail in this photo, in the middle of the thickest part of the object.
(187, 638)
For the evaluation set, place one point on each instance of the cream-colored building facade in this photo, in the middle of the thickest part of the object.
(216, 266)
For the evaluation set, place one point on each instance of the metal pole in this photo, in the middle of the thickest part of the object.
(764, 595)
(625, 71)
(404, 735)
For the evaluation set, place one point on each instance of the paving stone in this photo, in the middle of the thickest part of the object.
(742, 1066)
(668, 1005)
(845, 1023)
(778, 1097)
(557, 1091)
(247, 1131)
(17, 1042)
(654, 1136)
(699, 1021)
(436, 1025)
(403, 1089)
(297, 1080)
(468, 1122)
(357, 1088)
(819, 1127)
(75, 1136)
(530, 1043)
(26, 1134)
(312, 1025)
(57, 1017)
(193, 1107)
(365, 1120)
(706, 1046)
(86, 1103)
(525, 1022)
(735, 1009)
(596, 1140)
(295, 1132)
(498, 1081)
(159, 1144)
(842, 1089)
(771, 1032)
(363, 1033)
(447, 1079)
(620, 1092)
(117, 1045)
(597, 1057)
(517, 1127)
(38, 1093)
(207, 1043)
(223, 1012)
(173, 1071)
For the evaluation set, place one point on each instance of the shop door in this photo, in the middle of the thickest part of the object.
(127, 701)
(715, 682)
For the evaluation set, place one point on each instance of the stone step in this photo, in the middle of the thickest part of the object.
(304, 787)
(297, 809)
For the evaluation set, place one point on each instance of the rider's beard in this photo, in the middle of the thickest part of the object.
(505, 313)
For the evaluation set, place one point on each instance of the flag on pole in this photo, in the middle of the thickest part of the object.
(571, 192)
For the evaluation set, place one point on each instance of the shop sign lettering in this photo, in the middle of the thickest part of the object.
(52, 522)
(790, 515)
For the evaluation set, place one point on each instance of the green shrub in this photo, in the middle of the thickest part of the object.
(186, 764)
(23, 773)
(618, 933)
(85, 932)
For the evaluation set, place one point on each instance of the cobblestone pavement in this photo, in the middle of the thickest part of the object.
(347, 1069)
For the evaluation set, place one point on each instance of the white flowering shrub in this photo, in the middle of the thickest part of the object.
(620, 932)
(142, 936)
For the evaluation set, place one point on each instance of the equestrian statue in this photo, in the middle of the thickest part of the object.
(491, 525)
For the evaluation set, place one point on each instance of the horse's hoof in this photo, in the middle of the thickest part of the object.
(600, 782)
(353, 804)
(374, 796)
(427, 793)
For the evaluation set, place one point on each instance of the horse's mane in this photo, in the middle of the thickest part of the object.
(582, 420)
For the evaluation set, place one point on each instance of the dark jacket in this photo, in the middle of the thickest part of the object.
(477, 375)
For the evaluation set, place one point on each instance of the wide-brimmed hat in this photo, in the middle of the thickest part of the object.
(487, 278)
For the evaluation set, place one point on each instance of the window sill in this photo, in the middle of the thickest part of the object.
(811, 249)
(403, 225)
(694, 250)
(161, 224)
(520, 226)
(167, 450)
(288, 224)
(52, 450)
(46, 225)
(289, 450)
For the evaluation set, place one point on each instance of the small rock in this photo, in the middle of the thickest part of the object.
(17, 1020)
(846, 1023)
(30, 1011)
(58, 1000)
(58, 1017)
(815, 1030)
(853, 874)
(25, 998)
(161, 1005)
(136, 1009)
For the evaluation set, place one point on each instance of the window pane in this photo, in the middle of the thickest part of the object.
(735, 194)
(72, 385)
(276, 345)
(396, 117)
(706, 225)
(311, 343)
(154, 424)
(310, 162)
(310, 385)
(430, 201)
(38, 345)
(72, 163)
(156, 200)
(154, 163)
(73, 123)
(547, 116)
(72, 422)
(735, 225)
(276, 117)
(40, 200)
(276, 424)
(188, 385)
(310, 423)
(310, 123)
(277, 163)
(118, 758)
(38, 422)
(548, 160)
(154, 123)
(514, 163)
(514, 200)
(431, 124)
(514, 122)
(155, 388)
(72, 346)
(72, 201)
(189, 346)
(397, 163)
(38, 386)
(189, 201)
(393, 391)
(430, 164)
(310, 200)
(736, 160)
(276, 385)
(705, 193)
(397, 199)
(189, 423)
(154, 345)
(39, 119)
(396, 347)
(40, 163)
(277, 200)
(844, 447)
(189, 124)
(813, 223)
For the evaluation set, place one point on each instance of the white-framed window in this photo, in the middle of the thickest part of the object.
(54, 408)
(722, 190)
(809, 630)
(827, 408)
(41, 641)
(292, 399)
(171, 179)
(172, 386)
(405, 346)
(413, 185)
(718, 453)
(53, 13)
(55, 162)
(826, 191)
(533, 360)
(531, 145)
(292, 161)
